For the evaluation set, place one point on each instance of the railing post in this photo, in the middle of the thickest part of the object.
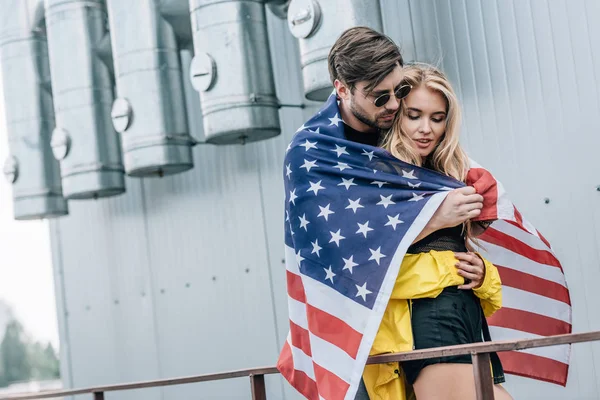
(257, 382)
(98, 395)
(484, 384)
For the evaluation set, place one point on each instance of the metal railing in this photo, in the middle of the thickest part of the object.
(480, 353)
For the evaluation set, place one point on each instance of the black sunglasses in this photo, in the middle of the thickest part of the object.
(400, 93)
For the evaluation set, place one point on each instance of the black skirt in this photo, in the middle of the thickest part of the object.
(454, 317)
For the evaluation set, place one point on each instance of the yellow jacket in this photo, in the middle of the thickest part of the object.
(422, 275)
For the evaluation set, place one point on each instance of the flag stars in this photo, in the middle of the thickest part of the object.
(385, 201)
(336, 237)
(303, 222)
(339, 150)
(376, 255)
(293, 197)
(329, 274)
(379, 183)
(309, 164)
(347, 183)
(355, 205)
(363, 291)
(316, 248)
(368, 154)
(315, 187)
(342, 166)
(288, 170)
(309, 145)
(417, 197)
(299, 258)
(394, 221)
(409, 175)
(364, 228)
(325, 212)
(413, 185)
(349, 264)
(335, 120)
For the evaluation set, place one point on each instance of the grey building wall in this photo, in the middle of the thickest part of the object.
(184, 275)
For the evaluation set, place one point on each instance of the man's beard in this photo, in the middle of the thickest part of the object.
(371, 122)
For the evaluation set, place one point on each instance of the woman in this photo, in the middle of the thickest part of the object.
(432, 303)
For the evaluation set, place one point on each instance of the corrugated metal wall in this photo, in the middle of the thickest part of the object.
(184, 275)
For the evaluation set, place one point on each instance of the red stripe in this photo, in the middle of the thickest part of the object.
(532, 366)
(547, 243)
(529, 322)
(298, 379)
(331, 387)
(300, 338)
(519, 218)
(295, 287)
(533, 284)
(333, 330)
(501, 239)
(485, 185)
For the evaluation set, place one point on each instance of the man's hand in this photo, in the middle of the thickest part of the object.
(459, 205)
(470, 266)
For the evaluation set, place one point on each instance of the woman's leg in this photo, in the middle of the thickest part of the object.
(450, 382)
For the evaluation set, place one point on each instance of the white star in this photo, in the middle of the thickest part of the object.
(368, 154)
(288, 147)
(316, 248)
(335, 120)
(293, 197)
(318, 130)
(329, 273)
(304, 222)
(299, 258)
(385, 201)
(349, 264)
(309, 145)
(342, 166)
(315, 187)
(414, 185)
(303, 127)
(417, 197)
(347, 183)
(363, 291)
(340, 150)
(409, 175)
(364, 228)
(325, 212)
(288, 170)
(379, 183)
(376, 255)
(446, 188)
(309, 164)
(287, 215)
(354, 205)
(374, 171)
(393, 221)
(336, 237)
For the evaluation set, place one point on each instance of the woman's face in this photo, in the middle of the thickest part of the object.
(423, 119)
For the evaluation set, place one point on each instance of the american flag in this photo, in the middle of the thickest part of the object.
(351, 212)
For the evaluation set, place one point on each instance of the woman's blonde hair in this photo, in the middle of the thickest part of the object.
(448, 157)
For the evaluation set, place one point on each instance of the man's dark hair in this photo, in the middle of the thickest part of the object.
(363, 54)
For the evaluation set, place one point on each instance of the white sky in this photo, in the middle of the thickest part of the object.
(26, 279)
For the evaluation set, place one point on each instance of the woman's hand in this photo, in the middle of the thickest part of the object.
(470, 266)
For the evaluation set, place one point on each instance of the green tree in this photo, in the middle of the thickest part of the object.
(14, 354)
(43, 361)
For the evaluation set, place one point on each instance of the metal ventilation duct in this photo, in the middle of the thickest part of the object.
(84, 139)
(232, 71)
(317, 24)
(150, 109)
(31, 168)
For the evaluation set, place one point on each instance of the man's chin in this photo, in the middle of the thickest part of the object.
(385, 124)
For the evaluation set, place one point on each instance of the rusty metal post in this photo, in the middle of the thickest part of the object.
(98, 395)
(259, 392)
(482, 369)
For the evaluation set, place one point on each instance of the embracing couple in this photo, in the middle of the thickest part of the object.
(404, 122)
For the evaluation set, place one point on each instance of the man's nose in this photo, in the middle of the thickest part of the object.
(393, 103)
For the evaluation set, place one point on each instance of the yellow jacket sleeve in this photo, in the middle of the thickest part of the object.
(490, 291)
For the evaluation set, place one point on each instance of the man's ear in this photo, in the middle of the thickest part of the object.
(342, 90)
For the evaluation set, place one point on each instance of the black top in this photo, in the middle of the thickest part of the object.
(369, 138)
